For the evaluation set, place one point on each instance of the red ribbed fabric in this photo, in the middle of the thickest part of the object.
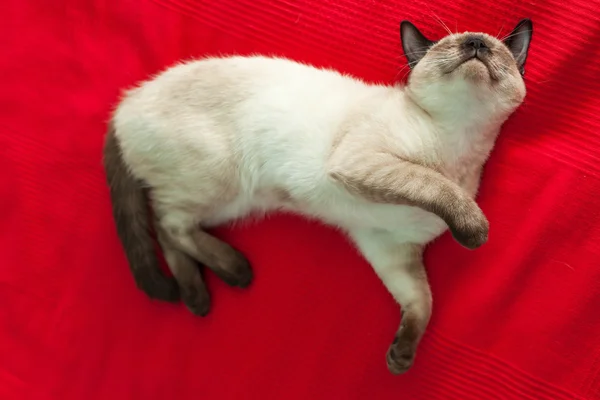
(517, 319)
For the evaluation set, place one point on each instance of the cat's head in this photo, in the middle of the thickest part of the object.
(471, 69)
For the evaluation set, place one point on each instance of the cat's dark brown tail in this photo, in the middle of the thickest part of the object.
(132, 217)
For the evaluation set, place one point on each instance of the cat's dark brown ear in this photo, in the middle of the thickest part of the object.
(518, 42)
(414, 43)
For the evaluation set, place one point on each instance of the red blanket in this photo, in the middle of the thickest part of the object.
(517, 319)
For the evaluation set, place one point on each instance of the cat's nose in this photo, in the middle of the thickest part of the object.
(475, 43)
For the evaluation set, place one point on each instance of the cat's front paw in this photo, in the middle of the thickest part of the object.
(471, 228)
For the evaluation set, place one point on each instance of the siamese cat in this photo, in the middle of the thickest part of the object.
(210, 141)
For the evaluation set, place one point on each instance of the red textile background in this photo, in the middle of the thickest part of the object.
(517, 319)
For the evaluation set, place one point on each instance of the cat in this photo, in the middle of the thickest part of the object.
(210, 141)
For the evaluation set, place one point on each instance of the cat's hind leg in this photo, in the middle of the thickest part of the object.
(187, 235)
(185, 270)
(225, 261)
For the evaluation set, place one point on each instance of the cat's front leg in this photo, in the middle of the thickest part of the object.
(383, 177)
(400, 267)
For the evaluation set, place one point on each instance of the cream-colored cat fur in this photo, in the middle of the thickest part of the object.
(216, 139)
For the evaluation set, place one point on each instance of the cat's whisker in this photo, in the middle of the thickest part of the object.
(444, 25)
(405, 74)
(440, 21)
(431, 51)
(448, 57)
(408, 67)
(514, 34)
(528, 79)
(500, 31)
(403, 69)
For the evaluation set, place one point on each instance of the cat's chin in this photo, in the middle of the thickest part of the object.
(474, 70)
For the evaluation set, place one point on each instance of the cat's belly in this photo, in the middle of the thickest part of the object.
(246, 205)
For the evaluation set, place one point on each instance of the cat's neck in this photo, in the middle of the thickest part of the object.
(459, 115)
(464, 130)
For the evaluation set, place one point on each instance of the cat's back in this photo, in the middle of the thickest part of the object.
(228, 94)
(227, 81)
(233, 104)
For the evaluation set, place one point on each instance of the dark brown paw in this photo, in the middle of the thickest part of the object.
(198, 306)
(235, 270)
(157, 285)
(196, 299)
(471, 231)
(401, 355)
